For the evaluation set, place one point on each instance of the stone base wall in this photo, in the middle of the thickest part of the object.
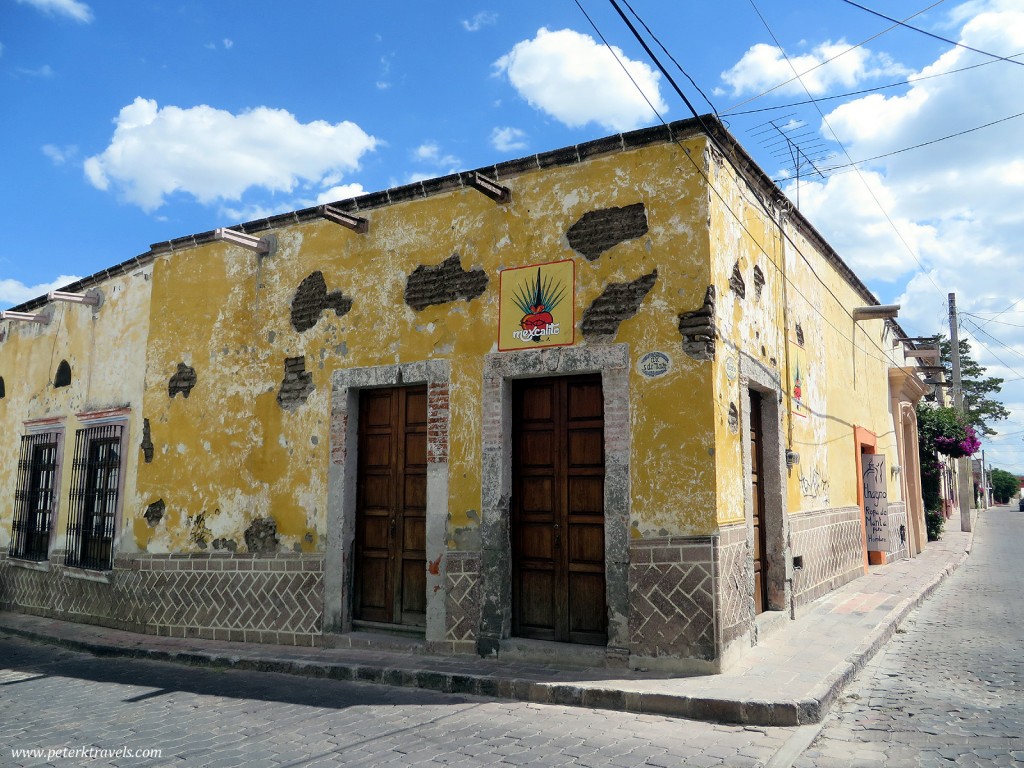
(245, 598)
(672, 598)
(735, 579)
(831, 543)
(899, 532)
(462, 602)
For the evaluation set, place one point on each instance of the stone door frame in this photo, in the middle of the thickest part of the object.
(341, 489)
(612, 362)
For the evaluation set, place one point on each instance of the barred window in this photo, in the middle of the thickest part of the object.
(35, 499)
(95, 483)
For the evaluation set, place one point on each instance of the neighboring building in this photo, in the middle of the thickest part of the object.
(645, 441)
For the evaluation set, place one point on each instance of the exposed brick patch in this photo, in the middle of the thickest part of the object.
(443, 283)
(297, 385)
(261, 535)
(799, 334)
(597, 231)
(437, 423)
(312, 300)
(182, 382)
(147, 442)
(736, 282)
(734, 418)
(758, 282)
(155, 513)
(698, 329)
(618, 302)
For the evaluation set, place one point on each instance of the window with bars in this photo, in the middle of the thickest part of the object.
(95, 484)
(35, 499)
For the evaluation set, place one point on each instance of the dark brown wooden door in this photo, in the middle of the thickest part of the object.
(756, 473)
(391, 490)
(558, 582)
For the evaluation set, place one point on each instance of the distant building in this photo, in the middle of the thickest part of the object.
(614, 395)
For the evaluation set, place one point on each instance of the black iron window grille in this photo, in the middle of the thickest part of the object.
(95, 481)
(35, 498)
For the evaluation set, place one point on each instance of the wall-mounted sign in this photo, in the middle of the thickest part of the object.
(876, 502)
(798, 379)
(732, 368)
(654, 364)
(537, 306)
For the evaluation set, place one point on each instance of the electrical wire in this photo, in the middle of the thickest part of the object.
(855, 163)
(828, 60)
(672, 58)
(929, 34)
(867, 186)
(861, 92)
(886, 358)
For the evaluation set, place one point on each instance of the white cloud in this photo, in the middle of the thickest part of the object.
(430, 152)
(764, 67)
(60, 155)
(228, 43)
(214, 155)
(956, 202)
(13, 292)
(70, 8)
(340, 192)
(578, 81)
(44, 71)
(482, 19)
(508, 139)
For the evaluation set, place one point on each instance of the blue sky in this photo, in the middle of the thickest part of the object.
(124, 124)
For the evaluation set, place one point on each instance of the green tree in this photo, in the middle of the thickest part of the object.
(980, 407)
(1004, 485)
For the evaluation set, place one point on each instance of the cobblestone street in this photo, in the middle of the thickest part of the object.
(949, 688)
(55, 699)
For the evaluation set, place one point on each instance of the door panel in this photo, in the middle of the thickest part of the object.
(390, 556)
(757, 497)
(558, 589)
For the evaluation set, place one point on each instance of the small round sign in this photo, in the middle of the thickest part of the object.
(654, 364)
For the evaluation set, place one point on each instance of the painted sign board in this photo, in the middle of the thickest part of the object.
(798, 379)
(537, 306)
(876, 502)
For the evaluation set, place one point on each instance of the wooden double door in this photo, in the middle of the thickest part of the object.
(391, 503)
(558, 556)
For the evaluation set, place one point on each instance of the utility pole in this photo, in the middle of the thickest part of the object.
(963, 463)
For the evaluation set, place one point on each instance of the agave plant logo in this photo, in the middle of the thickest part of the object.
(537, 299)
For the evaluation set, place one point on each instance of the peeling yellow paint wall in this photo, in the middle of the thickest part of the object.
(105, 349)
(844, 379)
(229, 454)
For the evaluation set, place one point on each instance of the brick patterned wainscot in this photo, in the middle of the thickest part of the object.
(735, 583)
(462, 602)
(672, 598)
(831, 543)
(246, 598)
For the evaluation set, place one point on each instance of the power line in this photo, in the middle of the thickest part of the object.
(711, 138)
(828, 60)
(929, 34)
(854, 163)
(867, 186)
(861, 92)
(671, 57)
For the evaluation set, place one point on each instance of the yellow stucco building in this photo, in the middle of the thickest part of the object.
(613, 396)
